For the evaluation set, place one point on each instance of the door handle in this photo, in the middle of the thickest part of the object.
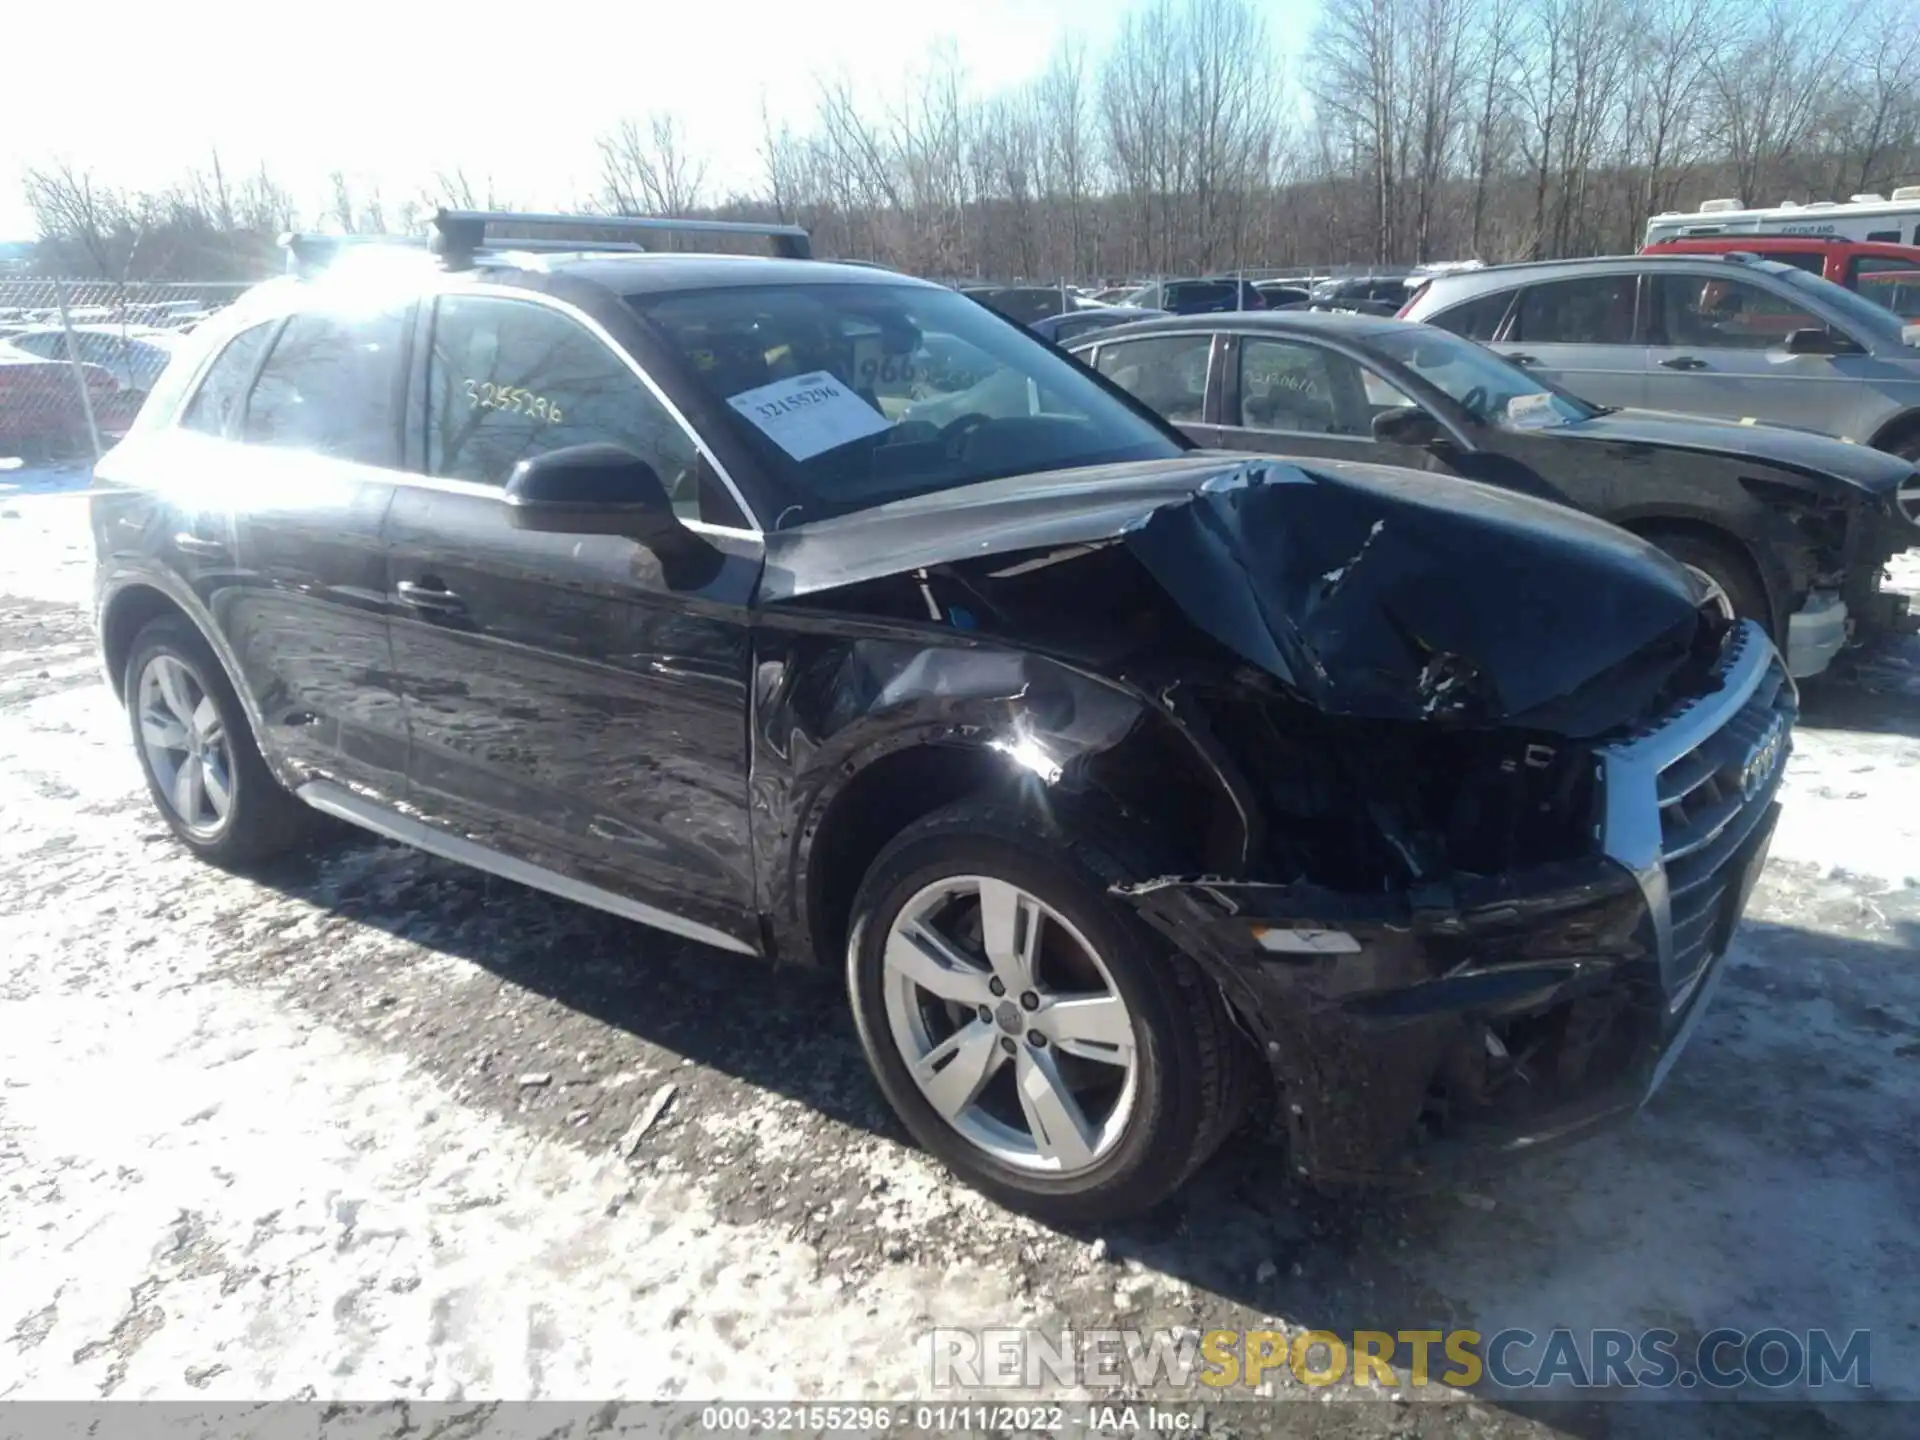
(1684, 362)
(1524, 359)
(436, 598)
(188, 543)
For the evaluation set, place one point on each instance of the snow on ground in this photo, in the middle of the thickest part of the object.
(351, 1131)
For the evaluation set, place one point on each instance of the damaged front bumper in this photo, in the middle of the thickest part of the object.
(1409, 1031)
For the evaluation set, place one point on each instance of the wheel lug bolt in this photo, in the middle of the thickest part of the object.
(996, 987)
(1007, 1044)
(1036, 1039)
(1029, 1001)
(986, 1014)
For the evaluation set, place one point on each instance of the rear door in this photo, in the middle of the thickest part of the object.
(311, 480)
(574, 702)
(1169, 375)
(1579, 333)
(1289, 396)
(1719, 349)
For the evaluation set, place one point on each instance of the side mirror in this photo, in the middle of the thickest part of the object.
(596, 489)
(1406, 425)
(1819, 341)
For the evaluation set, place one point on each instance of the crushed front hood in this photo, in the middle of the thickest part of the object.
(1367, 591)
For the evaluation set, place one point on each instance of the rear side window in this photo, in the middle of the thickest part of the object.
(1715, 313)
(1476, 319)
(328, 388)
(224, 386)
(1165, 373)
(1594, 310)
(510, 379)
(1811, 261)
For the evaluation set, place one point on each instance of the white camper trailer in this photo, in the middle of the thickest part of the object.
(1894, 218)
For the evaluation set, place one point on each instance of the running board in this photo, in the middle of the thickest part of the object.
(343, 804)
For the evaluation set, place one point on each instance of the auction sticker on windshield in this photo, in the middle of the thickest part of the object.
(1531, 412)
(809, 415)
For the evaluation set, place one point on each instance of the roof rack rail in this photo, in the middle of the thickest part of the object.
(309, 251)
(461, 235)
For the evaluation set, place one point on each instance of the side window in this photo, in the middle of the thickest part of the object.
(328, 388)
(1715, 313)
(1811, 261)
(1476, 319)
(224, 386)
(1307, 390)
(1167, 373)
(1888, 283)
(510, 379)
(1597, 310)
(1892, 283)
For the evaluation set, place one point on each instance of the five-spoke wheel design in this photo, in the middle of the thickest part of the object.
(1010, 1024)
(186, 745)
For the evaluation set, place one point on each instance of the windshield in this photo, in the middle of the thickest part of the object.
(1489, 389)
(853, 395)
(1867, 320)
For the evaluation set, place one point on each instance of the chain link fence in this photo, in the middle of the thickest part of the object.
(77, 358)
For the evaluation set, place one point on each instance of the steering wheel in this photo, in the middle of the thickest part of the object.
(953, 434)
(1473, 400)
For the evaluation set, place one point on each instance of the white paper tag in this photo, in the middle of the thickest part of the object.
(809, 414)
(1531, 412)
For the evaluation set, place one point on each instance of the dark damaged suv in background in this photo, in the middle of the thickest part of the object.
(813, 612)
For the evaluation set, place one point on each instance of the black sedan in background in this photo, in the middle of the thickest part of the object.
(1206, 296)
(1079, 324)
(1793, 529)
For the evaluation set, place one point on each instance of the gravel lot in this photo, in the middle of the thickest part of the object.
(354, 1131)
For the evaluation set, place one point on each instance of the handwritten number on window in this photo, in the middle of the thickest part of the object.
(485, 395)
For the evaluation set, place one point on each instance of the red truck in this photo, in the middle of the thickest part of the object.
(1882, 272)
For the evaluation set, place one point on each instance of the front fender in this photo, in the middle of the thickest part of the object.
(832, 711)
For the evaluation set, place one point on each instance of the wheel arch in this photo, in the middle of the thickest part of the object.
(883, 790)
(1902, 428)
(1651, 525)
(132, 607)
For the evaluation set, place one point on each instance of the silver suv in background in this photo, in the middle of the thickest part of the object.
(1729, 336)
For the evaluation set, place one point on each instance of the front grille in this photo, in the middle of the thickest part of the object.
(1709, 806)
(1686, 794)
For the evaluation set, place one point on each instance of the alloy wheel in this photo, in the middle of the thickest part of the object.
(1010, 1024)
(186, 746)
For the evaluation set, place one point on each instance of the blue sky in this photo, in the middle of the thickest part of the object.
(392, 92)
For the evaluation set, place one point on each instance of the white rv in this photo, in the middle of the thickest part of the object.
(1894, 218)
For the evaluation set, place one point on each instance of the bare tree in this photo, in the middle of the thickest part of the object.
(1771, 88)
(650, 171)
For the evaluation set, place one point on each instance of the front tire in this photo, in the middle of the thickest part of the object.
(197, 751)
(1028, 1029)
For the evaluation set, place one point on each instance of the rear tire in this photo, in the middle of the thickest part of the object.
(999, 1128)
(197, 751)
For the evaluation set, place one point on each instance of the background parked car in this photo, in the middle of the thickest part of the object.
(1366, 295)
(40, 411)
(1283, 292)
(1864, 266)
(1716, 335)
(1028, 303)
(133, 355)
(1198, 297)
(1792, 528)
(1077, 324)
